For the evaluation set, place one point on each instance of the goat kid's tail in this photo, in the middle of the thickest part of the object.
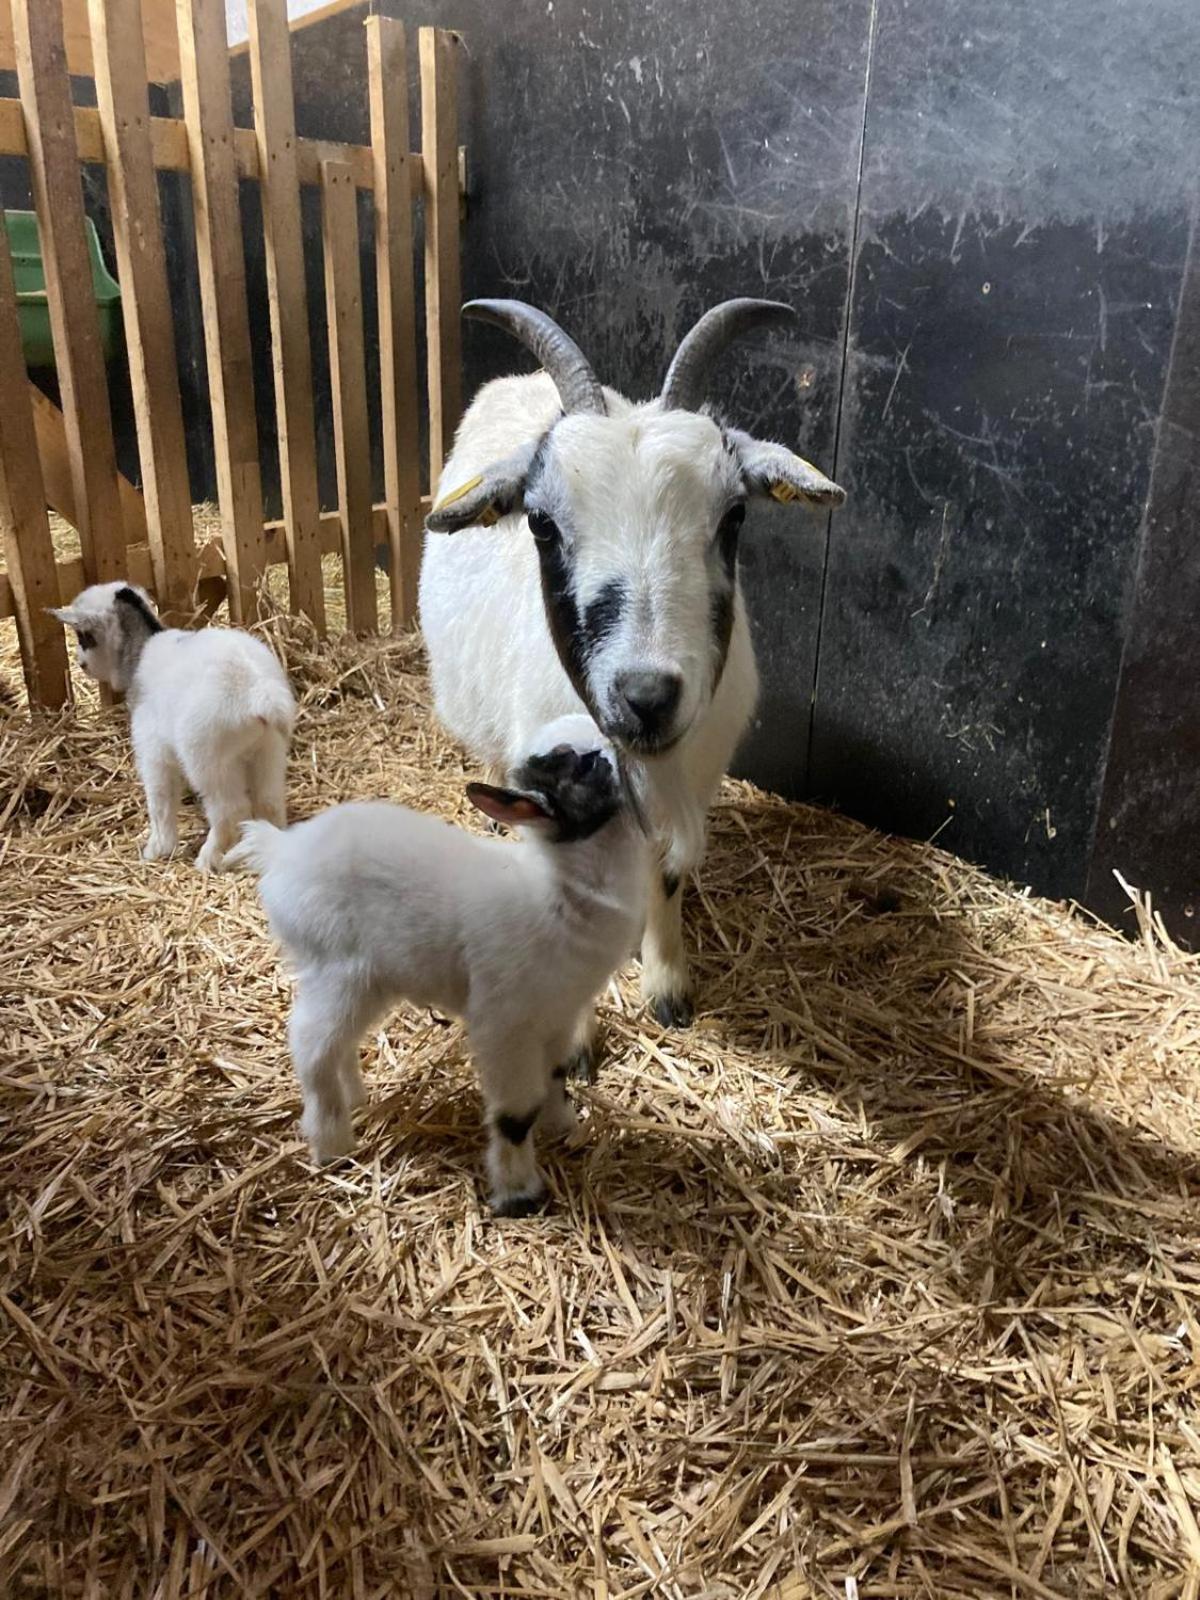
(274, 704)
(256, 848)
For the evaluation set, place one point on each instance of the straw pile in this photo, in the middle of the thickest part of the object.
(879, 1281)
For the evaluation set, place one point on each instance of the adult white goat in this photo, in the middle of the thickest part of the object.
(610, 583)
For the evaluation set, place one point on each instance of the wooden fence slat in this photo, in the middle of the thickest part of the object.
(204, 68)
(28, 550)
(387, 68)
(58, 196)
(443, 281)
(119, 55)
(348, 380)
(275, 125)
(50, 429)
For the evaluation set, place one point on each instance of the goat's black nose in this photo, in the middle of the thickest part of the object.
(652, 697)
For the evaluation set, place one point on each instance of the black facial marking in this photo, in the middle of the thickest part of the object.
(559, 1074)
(515, 1129)
(86, 638)
(603, 613)
(562, 614)
(131, 598)
(670, 883)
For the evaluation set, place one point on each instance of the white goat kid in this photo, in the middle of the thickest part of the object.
(374, 903)
(611, 583)
(211, 709)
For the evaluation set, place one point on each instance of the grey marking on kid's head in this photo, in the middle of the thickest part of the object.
(579, 789)
(133, 602)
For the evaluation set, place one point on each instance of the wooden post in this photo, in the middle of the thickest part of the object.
(348, 380)
(275, 126)
(58, 196)
(443, 281)
(387, 68)
(119, 55)
(28, 548)
(204, 68)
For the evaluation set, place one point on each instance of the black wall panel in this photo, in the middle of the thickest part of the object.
(1022, 234)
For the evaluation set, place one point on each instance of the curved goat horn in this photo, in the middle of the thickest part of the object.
(578, 386)
(688, 372)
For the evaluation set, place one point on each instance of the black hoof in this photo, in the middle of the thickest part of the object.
(673, 1010)
(582, 1065)
(520, 1205)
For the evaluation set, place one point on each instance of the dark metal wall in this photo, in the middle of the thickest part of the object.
(983, 217)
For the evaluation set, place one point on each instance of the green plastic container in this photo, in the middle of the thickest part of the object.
(30, 279)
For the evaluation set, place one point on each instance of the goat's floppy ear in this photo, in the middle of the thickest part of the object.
(508, 806)
(484, 499)
(773, 470)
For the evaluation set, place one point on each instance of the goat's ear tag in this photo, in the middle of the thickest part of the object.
(784, 492)
(460, 493)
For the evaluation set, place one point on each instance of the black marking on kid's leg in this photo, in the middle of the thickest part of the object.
(515, 1129)
(581, 1065)
(673, 1010)
(670, 883)
(520, 1205)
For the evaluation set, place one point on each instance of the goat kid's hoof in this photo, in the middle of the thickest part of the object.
(156, 849)
(673, 1010)
(519, 1205)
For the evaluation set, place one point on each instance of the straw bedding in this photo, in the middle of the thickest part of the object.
(879, 1281)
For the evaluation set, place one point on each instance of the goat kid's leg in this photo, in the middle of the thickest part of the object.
(267, 778)
(578, 1057)
(666, 984)
(163, 783)
(328, 1019)
(226, 805)
(514, 1078)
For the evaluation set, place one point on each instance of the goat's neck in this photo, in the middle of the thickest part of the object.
(601, 875)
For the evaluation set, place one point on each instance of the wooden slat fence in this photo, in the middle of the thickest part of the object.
(66, 459)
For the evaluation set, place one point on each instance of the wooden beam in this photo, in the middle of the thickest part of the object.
(443, 283)
(169, 142)
(348, 383)
(204, 70)
(58, 196)
(275, 127)
(24, 526)
(387, 71)
(120, 65)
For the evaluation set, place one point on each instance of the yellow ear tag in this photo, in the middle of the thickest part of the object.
(785, 492)
(457, 494)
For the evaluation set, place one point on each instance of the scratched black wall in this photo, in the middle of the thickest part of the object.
(982, 214)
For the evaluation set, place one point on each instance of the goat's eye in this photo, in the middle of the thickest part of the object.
(86, 639)
(543, 528)
(731, 521)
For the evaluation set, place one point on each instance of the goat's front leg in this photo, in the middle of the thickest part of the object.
(666, 983)
(515, 1079)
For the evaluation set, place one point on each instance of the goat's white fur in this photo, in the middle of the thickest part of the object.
(374, 903)
(210, 709)
(649, 488)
